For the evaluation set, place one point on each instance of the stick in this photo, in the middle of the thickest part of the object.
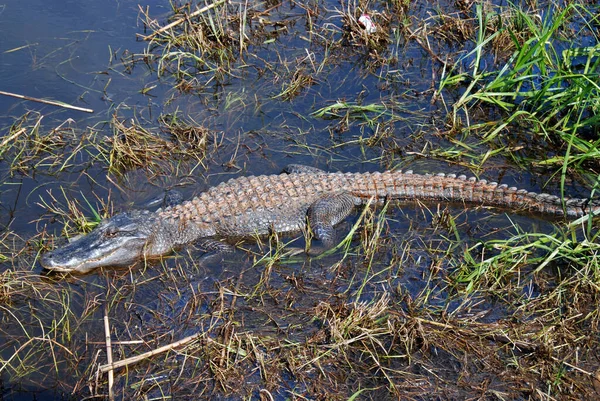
(13, 136)
(128, 361)
(182, 19)
(17, 134)
(427, 47)
(51, 102)
(111, 396)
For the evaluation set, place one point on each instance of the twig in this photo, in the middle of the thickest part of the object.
(51, 102)
(426, 47)
(12, 137)
(585, 372)
(131, 342)
(111, 396)
(17, 134)
(134, 359)
(182, 19)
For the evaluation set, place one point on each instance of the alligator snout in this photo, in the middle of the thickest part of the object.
(46, 259)
(51, 261)
(118, 241)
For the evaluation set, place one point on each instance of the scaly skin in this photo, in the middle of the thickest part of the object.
(247, 206)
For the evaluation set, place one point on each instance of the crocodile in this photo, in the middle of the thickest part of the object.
(300, 197)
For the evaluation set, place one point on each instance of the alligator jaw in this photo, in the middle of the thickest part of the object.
(119, 241)
(71, 259)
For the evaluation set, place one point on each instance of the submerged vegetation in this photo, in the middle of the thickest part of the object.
(428, 301)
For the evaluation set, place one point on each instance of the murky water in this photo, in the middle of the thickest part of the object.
(81, 53)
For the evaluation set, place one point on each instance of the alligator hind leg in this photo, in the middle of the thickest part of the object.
(215, 246)
(324, 214)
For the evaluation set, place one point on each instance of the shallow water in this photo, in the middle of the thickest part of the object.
(79, 53)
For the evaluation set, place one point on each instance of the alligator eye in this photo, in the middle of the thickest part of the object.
(111, 232)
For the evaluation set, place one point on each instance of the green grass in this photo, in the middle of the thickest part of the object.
(495, 261)
(548, 88)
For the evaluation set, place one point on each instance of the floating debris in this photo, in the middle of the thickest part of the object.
(366, 22)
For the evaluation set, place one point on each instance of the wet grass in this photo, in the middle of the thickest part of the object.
(202, 45)
(349, 326)
(26, 147)
(73, 213)
(416, 302)
(135, 147)
(544, 86)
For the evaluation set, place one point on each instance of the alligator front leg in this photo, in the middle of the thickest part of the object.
(171, 197)
(324, 214)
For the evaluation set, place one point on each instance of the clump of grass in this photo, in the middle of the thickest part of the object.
(134, 147)
(298, 82)
(494, 263)
(207, 42)
(356, 321)
(188, 135)
(453, 29)
(180, 144)
(347, 111)
(72, 215)
(369, 115)
(13, 251)
(7, 284)
(545, 90)
(29, 147)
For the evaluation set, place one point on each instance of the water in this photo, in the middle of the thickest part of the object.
(81, 53)
(60, 50)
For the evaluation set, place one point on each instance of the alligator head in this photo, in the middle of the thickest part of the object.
(118, 241)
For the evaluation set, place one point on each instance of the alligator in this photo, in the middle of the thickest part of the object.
(300, 197)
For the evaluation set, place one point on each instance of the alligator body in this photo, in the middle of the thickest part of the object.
(284, 203)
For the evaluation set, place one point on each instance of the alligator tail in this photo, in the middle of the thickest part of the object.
(452, 188)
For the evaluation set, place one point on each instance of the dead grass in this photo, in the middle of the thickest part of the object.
(204, 44)
(132, 146)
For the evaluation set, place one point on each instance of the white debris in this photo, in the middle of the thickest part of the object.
(366, 21)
